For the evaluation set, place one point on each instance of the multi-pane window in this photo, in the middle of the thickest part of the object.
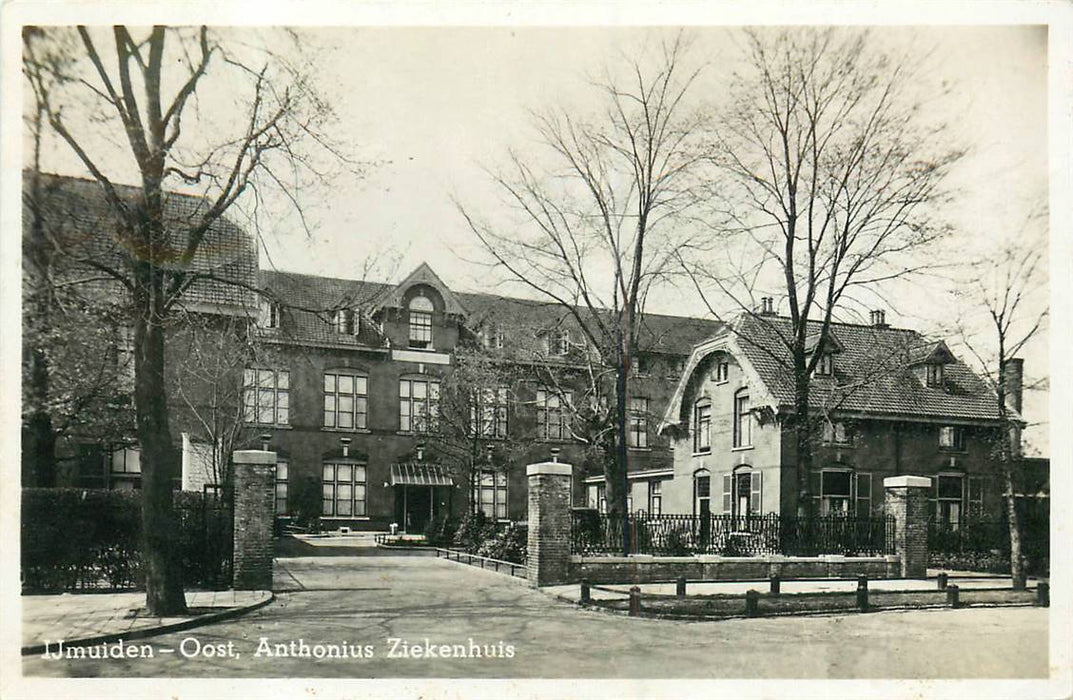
(552, 415)
(345, 400)
(419, 401)
(743, 421)
(702, 426)
(493, 337)
(948, 495)
(490, 493)
(127, 461)
(835, 433)
(489, 412)
(951, 437)
(637, 429)
(282, 474)
(825, 367)
(597, 497)
(344, 490)
(843, 492)
(557, 342)
(346, 321)
(267, 396)
(742, 493)
(421, 309)
(655, 497)
(934, 374)
(270, 313)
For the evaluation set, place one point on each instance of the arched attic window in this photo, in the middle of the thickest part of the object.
(421, 308)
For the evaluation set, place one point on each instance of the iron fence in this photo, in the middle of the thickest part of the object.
(595, 533)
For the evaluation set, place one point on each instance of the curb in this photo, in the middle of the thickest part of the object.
(198, 621)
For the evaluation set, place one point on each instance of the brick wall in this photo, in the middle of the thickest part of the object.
(254, 545)
(906, 499)
(549, 523)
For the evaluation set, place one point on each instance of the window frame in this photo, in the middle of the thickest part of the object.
(499, 487)
(353, 483)
(702, 429)
(545, 412)
(934, 375)
(258, 390)
(722, 372)
(431, 402)
(270, 313)
(655, 497)
(357, 399)
(957, 439)
(637, 423)
(825, 366)
(498, 428)
(743, 420)
(419, 329)
(831, 432)
(283, 481)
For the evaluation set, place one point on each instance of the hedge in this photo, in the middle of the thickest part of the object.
(90, 539)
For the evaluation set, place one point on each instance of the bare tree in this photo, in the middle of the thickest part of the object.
(1005, 305)
(471, 431)
(601, 217)
(828, 186)
(117, 99)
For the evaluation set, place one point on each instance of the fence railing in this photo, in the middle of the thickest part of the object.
(595, 533)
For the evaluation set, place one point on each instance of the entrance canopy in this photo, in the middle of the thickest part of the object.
(420, 475)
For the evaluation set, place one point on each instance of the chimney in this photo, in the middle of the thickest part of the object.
(767, 306)
(1014, 375)
(879, 318)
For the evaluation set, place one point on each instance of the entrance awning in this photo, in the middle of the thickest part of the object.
(420, 475)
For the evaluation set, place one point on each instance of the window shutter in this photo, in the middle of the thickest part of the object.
(727, 480)
(755, 500)
(815, 484)
(864, 494)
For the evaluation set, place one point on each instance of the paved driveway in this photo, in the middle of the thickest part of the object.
(369, 601)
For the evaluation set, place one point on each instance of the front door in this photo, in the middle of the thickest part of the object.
(413, 507)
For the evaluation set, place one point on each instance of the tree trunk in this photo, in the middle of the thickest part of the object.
(162, 564)
(1007, 452)
(803, 443)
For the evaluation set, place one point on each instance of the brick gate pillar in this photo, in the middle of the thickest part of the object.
(906, 498)
(548, 560)
(254, 480)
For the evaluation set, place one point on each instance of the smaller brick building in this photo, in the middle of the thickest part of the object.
(885, 402)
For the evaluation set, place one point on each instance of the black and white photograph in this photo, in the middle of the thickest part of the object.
(467, 351)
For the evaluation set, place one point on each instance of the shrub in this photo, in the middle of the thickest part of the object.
(440, 531)
(509, 544)
(472, 531)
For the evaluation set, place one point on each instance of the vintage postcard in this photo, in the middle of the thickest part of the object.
(606, 350)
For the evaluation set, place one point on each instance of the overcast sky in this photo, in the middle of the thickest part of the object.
(431, 106)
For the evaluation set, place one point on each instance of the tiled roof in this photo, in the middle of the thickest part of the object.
(308, 301)
(77, 215)
(659, 333)
(872, 373)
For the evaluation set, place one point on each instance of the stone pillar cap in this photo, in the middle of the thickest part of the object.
(553, 468)
(895, 482)
(253, 457)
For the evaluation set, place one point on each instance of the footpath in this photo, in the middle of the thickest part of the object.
(81, 619)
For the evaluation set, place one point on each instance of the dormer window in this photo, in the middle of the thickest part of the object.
(493, 337)
(825, 367)
(934, 375)
(270, 313)
(421, 309)
(346, 321)
(557, 342)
